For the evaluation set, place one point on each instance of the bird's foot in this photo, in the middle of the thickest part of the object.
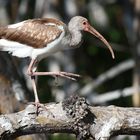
(67, 75)
(41, 108)
(38, 106)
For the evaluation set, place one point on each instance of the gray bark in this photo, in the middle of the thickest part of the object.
(73, 115)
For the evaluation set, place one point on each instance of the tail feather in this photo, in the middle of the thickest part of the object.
(15, 48)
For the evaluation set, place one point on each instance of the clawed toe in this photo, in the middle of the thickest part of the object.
(38, 106)
(70, 76)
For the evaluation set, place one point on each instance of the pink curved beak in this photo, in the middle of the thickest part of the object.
(91, 30)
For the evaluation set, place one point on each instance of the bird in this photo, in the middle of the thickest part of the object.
(41, 37)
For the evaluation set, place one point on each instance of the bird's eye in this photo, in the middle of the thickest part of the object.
(84, 23)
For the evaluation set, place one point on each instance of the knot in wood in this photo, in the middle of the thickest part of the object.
(75, 107)
(77, 110)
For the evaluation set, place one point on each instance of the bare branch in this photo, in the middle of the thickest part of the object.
(106, 76)
(112, 95)
(75, 116)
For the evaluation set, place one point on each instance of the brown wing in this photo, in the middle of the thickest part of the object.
(37, 32)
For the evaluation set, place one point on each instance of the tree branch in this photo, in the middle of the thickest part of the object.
(73, 115)
(109, 74)
(112, 95)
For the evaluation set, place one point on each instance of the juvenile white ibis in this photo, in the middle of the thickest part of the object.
(39, 38)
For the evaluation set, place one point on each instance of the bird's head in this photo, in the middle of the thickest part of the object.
(81, 24)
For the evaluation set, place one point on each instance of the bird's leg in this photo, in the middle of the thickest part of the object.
(37, 103)
(34, 89)
(32, 72)
(70, 76)
(32, 67)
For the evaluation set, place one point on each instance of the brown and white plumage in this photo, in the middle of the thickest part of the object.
(30, 37)
(39, 38)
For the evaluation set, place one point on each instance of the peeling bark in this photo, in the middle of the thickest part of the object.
(73, 115)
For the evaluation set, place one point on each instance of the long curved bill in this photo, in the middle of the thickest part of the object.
(91, 30)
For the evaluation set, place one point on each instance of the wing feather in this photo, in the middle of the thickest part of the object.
(36, 32)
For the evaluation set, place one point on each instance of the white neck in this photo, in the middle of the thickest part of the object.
(76, 38)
